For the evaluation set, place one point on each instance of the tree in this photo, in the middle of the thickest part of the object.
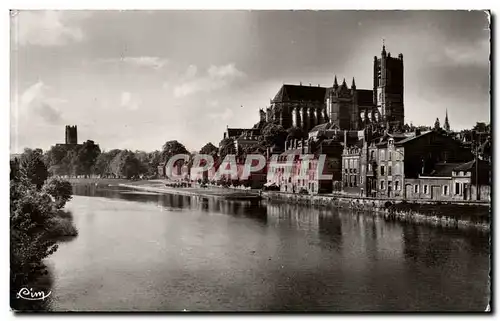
(59, 189)
(172, 148)
(209, 149)
(154, 160)
(274, 135)
(33, 167)
(227, 148)
(86, 157)
(125, 164)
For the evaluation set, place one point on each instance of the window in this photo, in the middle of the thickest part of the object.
(346, 163)
(354, 180)
(372, 155)
(369, 167)
(390, 155)
(382, 185)
(426, 189)
(415, 189)
(457, 188)
(382, 170)
(445, 190)
(361, 179)
(396, 185)
(382, 154)
(389, 171)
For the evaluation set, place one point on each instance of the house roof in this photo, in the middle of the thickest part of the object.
(304, 93)
(443, 169)
(235, 132)
(325, 126)
(471, 165)
(408, 139)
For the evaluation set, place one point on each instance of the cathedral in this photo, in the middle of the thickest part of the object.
(344, 107)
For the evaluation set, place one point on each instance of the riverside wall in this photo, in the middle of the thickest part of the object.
(451, 214)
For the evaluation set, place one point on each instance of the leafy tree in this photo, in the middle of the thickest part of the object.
(154, 160)
(227, 148)
(86, 157)
(59, 189)
(33, 167)
(125, 164)
(172, 148)
(102, 164)
(209, 149)
(274, 135)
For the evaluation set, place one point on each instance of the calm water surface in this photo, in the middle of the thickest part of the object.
(149, 252)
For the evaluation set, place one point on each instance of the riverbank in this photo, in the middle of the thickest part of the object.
(457, 214)
(225, 193)
(452, 214)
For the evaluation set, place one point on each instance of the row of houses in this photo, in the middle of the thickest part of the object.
(418, 165)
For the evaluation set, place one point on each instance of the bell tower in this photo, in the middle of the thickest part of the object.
(388, 88)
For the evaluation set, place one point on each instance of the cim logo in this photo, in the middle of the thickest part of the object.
(29, 294)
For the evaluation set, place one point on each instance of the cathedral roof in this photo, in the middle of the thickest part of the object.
(304, 93)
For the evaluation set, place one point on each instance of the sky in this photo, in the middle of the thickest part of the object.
(136, 79)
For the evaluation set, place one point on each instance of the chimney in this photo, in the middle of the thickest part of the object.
(224, 135)
(417, 132)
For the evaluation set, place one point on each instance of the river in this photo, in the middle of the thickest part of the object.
(152, 252)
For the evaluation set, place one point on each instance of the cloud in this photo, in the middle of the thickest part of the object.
(216, 77)
(141, 61)
(128, 101)
(47, 28)
(37, 101)
(475, 54)
(225, 115)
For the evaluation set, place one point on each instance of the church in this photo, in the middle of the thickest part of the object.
(344, 107)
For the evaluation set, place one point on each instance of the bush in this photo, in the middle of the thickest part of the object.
(59, 189)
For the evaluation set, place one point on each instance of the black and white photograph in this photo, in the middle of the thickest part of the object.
(250, 160)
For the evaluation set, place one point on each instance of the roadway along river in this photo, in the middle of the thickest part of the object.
(148, 252)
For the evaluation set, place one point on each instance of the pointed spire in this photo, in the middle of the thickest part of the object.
(353, 86)
(343, 83)
(335, 84)
(383, 47)
(446, 122)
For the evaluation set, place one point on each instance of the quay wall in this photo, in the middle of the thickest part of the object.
(463, 214)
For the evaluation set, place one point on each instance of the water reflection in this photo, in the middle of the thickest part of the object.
(155, 252)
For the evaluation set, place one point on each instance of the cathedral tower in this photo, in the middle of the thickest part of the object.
(71, 135)
(388, 88)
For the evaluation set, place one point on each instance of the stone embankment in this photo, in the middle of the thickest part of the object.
(451, 214)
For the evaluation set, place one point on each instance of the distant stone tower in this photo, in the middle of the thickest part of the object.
(388, 88)
(71, 135)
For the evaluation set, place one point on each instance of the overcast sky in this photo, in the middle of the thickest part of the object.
(136, 79)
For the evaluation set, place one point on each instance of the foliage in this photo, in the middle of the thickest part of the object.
(227, 148)
(172, 148)
(86, 157)
(59, 189)
(209, 149)
(32, 166)
(34, 218)
(273, 135)
(126, 165)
